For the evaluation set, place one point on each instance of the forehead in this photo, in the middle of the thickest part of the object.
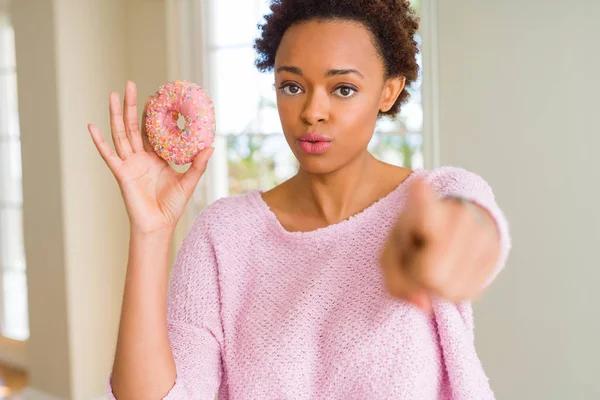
(321, 45)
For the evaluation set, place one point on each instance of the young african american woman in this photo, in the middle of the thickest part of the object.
(351, 280)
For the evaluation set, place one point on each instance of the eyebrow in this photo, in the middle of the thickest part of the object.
(330, 73)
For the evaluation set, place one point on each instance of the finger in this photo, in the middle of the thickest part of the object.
(419, 223)
(452, 258)
(398, 283)
(131, 118)
(417, 252)
(117, 128)
(422, 206)
(432, 267)
(147, 146)
(106, 152)
(192, 175)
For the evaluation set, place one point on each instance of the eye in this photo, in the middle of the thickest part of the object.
(290, 89)
(345, 91)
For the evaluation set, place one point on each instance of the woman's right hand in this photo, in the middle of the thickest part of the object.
(155, 194)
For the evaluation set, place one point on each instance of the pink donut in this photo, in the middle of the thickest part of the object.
(189, 100)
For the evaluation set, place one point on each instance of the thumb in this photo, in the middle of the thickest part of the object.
(190, 178)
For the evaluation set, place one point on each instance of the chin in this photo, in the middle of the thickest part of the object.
(318, 165)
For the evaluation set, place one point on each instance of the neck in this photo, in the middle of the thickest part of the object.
(336, 196)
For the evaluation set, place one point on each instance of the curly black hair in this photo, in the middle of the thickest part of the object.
(393, 24)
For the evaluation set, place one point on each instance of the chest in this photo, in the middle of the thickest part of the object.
(324, 319)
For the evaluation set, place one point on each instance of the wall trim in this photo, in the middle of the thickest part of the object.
(430, 88)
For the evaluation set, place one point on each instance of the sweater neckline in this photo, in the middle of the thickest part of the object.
(275, 225)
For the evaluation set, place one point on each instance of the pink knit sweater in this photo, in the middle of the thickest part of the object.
(257, 312)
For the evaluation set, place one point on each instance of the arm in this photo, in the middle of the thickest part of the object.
(144, 366)
(443, 246)
(157, 356)
(182, 358)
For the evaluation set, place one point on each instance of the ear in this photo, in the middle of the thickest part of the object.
(391, 90)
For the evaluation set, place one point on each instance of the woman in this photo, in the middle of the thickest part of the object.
(351, 280)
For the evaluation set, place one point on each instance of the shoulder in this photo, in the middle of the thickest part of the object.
(449, 180)
(227, 213)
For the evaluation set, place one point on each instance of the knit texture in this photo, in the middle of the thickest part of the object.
(258, 312)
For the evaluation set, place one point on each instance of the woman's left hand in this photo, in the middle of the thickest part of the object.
(445, 247)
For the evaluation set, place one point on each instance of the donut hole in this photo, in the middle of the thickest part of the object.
(181, 122)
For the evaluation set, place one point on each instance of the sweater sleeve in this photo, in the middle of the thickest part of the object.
(194, 318)
(458, 182)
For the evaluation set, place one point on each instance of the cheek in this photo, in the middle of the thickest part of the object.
(356, 119)
(288, 115)
(359, 111)
(288, 110)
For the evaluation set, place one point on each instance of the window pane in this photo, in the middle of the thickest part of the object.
(12, 255)
(268, 116)
(410, 118)
(258, 162)
(13, 288)
(232, 22)
(7, 43)
(235, 90)
(398, 149)
(10, 175)
(9, 116)
(14, 311)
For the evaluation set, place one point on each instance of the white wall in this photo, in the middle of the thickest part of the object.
(519, 91)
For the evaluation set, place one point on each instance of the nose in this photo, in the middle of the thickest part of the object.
(316, 108)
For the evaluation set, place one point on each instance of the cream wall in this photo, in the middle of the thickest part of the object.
(48, 346)
(70, 55)
(519, 104)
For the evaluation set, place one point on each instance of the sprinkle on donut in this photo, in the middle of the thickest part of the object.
(175, 99)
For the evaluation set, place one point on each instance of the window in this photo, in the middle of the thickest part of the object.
(13, 287)
(257, 155)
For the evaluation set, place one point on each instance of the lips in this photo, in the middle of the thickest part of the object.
(314, 137)
(314, 143)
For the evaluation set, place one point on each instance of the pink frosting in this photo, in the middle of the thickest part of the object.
(175, 99)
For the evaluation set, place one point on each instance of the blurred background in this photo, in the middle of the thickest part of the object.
(509, 90)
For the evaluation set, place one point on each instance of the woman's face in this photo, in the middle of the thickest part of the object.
(330, 88)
